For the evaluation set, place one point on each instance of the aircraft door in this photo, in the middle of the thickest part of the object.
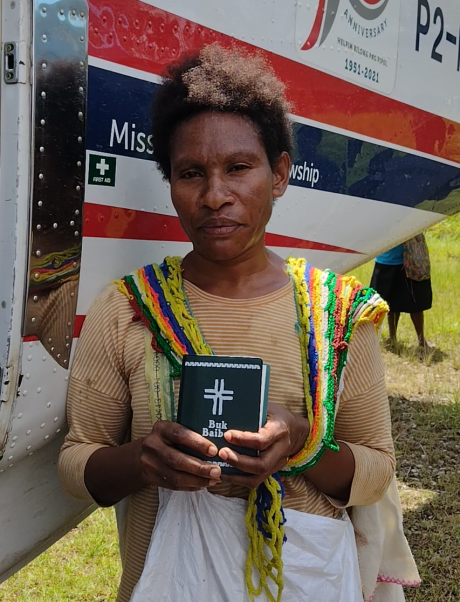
(42, 177)
(14, 193)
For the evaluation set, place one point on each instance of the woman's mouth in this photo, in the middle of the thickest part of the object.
(216, 227)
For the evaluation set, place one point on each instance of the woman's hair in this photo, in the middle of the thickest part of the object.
(227, 81)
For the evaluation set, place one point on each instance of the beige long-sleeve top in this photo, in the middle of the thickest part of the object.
(108, 400)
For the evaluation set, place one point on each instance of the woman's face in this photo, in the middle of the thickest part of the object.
(222, 185)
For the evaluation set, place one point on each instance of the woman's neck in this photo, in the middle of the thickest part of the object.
(242, 278)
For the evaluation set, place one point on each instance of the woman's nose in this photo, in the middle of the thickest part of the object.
(217, 192)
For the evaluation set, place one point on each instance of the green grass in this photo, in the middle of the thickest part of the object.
(425, 402)
(83, 566)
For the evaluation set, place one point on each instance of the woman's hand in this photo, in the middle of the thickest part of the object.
(165, 466)
(283, 435)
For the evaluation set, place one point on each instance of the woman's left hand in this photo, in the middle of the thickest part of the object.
(283, 436)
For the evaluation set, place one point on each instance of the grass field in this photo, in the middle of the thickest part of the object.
(425, 402)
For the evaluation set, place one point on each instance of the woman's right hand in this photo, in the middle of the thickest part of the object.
(163, 465)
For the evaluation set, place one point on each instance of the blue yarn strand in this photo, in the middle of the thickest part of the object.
(264, 502)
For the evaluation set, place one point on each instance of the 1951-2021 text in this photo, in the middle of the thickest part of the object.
(355, 67)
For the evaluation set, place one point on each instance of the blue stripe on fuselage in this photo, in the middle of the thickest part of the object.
(119, 118)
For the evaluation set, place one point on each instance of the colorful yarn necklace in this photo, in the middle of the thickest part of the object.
(329, 309)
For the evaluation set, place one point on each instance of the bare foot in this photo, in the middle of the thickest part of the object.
(390, 344)
(427, 349)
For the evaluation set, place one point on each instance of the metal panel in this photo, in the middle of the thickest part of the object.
(35, 511)
(60, 82)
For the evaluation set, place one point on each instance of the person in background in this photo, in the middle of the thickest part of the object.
(402, 276)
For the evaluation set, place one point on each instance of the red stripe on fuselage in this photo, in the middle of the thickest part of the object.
(103, 221)
(144, 37)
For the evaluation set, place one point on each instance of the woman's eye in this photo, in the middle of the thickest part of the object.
(239, 167)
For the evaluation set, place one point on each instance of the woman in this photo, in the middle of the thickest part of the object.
(402, 277)
(222, 138)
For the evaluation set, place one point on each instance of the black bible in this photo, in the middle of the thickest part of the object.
(219, 393)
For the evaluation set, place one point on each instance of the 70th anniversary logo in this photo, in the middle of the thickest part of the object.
(356, 39)
(368, 10)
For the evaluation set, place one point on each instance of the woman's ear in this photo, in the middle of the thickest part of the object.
(281, 175)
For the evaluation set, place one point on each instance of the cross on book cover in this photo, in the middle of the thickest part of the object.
(220, 393)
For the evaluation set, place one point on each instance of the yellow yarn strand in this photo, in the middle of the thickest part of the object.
(345, 291)
(174, 294)
(122, 288)
(320, 342)
(268, 566)
(297, 267)
(375, 313)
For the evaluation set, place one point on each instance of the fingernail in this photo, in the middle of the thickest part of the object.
(212, 450)
(223, 454)
(214, 473)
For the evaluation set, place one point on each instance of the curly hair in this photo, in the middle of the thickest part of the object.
(221, 80)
